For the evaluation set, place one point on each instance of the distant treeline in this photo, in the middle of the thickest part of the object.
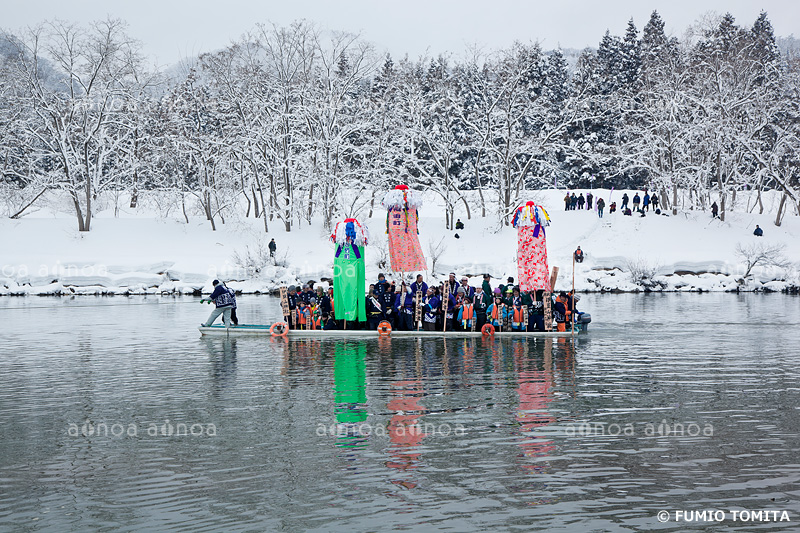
(287, 122)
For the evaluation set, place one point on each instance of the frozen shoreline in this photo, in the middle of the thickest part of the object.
(140, 253)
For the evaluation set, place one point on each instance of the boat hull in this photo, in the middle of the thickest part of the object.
(257, 330)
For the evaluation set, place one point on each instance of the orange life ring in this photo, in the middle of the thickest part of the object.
(487, 330)
(384, 328)
(282, 329)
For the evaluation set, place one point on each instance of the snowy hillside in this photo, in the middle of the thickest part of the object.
(138, 252)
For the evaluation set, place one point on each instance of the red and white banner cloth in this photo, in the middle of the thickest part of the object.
(532, 268)
(402, 219)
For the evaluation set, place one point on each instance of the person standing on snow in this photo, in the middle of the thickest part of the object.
(636, 201)
(654, 201)
(573, 202)
(581, 202)
(589, 197)
(646, 201)
(624, 202)
(272, 247)
(600, 205)
(714, 210)
(567, 201)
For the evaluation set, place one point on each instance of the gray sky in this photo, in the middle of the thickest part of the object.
(171, 30)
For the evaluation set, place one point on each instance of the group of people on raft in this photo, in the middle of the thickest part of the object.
(467, 308)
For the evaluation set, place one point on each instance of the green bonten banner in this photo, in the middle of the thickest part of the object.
(349, 282)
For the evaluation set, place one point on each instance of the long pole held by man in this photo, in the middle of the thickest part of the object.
(572, 300)
(445, 302)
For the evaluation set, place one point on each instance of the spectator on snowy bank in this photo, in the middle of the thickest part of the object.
(758, 232)
(272, 247)
(714, 210)
(600, 205)
(579, 255)
(459, 224)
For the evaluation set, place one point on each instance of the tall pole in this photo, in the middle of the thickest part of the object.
(572, 300)
(445, 304)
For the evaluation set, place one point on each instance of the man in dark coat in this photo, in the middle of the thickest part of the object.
(468, 291)
(480, 304)
(374, 310)
(404, 305)
(223, 304)
(487, 286)
(387, 298)
(291, 297)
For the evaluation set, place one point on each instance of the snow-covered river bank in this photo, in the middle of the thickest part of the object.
(140, 253)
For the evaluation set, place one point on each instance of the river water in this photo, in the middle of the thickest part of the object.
(116, 415)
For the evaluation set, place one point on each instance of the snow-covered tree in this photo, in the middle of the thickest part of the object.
(78, 89)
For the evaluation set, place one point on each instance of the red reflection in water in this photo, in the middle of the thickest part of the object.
(535, 389)
(405, 429)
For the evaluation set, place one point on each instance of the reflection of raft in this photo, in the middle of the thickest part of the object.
(263, 330)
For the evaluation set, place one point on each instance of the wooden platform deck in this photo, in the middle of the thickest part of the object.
(250, 330)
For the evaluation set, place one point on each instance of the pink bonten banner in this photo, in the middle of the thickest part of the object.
(404, 248)
(532, 267)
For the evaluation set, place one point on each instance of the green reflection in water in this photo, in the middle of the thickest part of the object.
(350, 392)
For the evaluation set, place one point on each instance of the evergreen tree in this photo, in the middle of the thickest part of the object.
(610, 56)
(631, 55)
(556, 78)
